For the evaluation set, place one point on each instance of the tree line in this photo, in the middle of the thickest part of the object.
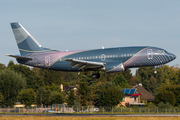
(19, 83)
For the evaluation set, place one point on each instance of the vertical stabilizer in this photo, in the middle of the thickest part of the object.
(26, 43)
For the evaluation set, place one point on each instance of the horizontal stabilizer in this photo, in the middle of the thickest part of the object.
(20, 57)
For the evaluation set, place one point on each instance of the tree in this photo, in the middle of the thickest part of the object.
(11, 83)
(52, 76)
(27, 97)
(84, 90)
(2, 66)
(120, 81)
(43, 96)
(173, 89)
(56, 98)
(33, 81)
(71, 98)
(11, 65)
(109, 95)
(165, 97)
(151, 81)
(128, 76)
(1, 98)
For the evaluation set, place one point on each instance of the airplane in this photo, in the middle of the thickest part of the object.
(106, 59)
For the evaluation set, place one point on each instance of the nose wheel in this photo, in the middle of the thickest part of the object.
(95, 75)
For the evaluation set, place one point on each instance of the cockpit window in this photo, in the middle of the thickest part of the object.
(162, 51)
(165, 51)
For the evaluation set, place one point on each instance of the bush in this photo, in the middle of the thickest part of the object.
(165, 97)
(163, 106)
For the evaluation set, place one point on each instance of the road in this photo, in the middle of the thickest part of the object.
(95, 115)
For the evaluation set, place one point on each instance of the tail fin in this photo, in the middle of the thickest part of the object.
(26, 43)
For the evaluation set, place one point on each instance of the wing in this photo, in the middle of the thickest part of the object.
(20, 57)
(81, 64)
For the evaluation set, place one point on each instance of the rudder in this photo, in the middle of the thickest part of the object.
(26, 43)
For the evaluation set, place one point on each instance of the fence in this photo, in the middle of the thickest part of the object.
(61, 108)
(25, 109)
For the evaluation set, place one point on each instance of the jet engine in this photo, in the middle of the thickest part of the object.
(114, 67)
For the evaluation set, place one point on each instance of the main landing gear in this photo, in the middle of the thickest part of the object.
(95, 75)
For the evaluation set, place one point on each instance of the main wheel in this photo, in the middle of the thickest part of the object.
(95, 75)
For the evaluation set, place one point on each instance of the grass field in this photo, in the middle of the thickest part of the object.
(85, 118)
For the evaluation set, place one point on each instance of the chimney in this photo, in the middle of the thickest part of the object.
(140, 84)
(61, 87)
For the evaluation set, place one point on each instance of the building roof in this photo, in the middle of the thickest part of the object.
(145, 94)
(129, 91)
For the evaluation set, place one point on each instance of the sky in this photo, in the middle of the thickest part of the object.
(91, 24)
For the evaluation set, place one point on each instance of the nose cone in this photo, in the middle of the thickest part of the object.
(172, 56)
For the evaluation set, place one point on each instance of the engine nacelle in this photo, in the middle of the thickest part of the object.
(114, 67)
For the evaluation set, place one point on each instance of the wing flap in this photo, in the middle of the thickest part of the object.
(81, 64)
